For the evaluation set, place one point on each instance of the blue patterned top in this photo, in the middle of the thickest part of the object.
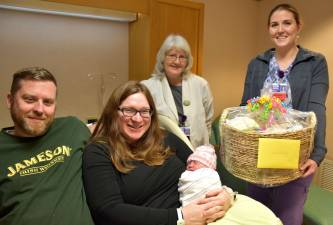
(277, 83)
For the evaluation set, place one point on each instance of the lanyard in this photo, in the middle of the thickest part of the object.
(277, 82)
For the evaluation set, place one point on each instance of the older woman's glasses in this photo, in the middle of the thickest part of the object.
(174, 58)
(130, 112)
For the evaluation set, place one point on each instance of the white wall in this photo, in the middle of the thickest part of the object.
(70, 48)
(230, 33)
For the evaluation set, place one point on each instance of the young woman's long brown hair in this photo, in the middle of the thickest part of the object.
(149, 148)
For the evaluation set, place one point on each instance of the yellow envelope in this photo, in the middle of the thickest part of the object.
(278, 153)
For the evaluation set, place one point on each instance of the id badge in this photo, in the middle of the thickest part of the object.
(281, 95)
(283, 87)
(275, 87)
(186, 130)
(281, 91)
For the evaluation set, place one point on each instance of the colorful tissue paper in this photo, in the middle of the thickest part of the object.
(267, 109)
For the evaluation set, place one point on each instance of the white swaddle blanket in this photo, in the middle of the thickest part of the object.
(194, 184)
(244, 211)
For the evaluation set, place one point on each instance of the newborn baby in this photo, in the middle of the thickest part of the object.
(201, 176)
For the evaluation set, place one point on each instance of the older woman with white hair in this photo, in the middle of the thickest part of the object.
(179, 94)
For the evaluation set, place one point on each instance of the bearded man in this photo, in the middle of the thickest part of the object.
(40, 169)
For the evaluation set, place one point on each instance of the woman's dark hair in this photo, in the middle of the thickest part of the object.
(286, 7)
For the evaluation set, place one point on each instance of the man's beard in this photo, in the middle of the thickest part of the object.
(30, 129)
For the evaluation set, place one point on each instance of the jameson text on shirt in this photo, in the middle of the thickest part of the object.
(40, 163)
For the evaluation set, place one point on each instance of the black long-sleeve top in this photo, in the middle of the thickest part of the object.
(147, 195)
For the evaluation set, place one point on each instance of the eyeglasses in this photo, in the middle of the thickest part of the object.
(181, 58)
(130, 112)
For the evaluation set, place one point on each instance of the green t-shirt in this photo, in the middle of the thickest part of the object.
(41, 178)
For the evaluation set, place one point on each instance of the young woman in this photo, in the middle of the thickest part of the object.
(300, 78)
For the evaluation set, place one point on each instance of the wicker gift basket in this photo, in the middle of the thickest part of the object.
(239, 151)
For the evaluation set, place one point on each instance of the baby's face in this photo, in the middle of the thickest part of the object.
(194, 165)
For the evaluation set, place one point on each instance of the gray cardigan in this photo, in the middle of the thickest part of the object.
(309, 84)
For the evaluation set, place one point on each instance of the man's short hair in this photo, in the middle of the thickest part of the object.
(31, 73)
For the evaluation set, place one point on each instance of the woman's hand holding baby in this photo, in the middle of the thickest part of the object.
(208, 209)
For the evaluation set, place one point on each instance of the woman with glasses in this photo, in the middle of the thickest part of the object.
(298, 77)
(131, 167)
(179, 94)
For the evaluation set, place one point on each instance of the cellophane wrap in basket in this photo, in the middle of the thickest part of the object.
(240, 131)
